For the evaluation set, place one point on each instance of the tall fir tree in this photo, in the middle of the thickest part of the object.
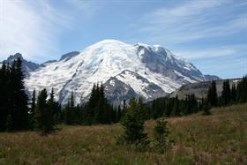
(40, 110)
(233, 93)
(72, 113)
(133, 125)
(33, 103)
(4, 92)
(51, 111)
(160, 135)
(242, 90)
(43, 114)
(212, 97)
(226, 93)
(32, 110)
(18, 101)
(98, 110)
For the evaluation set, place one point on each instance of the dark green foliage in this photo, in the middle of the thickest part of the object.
(133, 125)
(73, 115)
(226, 93)
(242, 90)
(233, 94)
(40, 111)
(174, 107)
(171, 107)
(13, 99)
(160, 136)
(33, 103)
(45, 112)
(54, 109)
(212, 97)
(4, 95)
(157, 108)
(98, 110)
(32, 110)
(68, 111)
(191, 104)
(118, 114)
(206, 109)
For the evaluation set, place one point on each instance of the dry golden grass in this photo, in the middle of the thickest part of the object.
(217, 139)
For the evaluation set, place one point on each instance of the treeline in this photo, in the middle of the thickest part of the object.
(46, 113)
(179, 107)
(97, 110)
(43, 113)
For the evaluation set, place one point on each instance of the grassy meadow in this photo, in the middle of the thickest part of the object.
(217, 139)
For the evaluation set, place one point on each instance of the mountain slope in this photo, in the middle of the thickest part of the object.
(200, 89)
(136, 70)
(27, 66)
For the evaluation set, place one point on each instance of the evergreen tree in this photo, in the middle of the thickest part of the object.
(226, 93)
(160, 134)
(158, 108)
(206, 109)
(33, 104)
(51, 111)
(119, 113)
(133, 125)
(18, 100)
(43, 114)
(191, 104)
(242, 90)
(69, 111)
(89, 112)
(40, 110)
(233, 93)
(176, 107)
(4, 75)
(32, 110)
(212, 97)
(142, 113)
(98, 110)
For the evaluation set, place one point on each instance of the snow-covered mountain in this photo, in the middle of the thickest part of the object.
(27, 66)
(125, 70)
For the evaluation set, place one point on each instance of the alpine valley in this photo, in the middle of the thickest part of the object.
(125, 70)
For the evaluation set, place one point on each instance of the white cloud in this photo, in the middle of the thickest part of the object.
(24, 30)
(87, 8)
(33, 28)
(191, 21)
(201, 31)
(222, 51)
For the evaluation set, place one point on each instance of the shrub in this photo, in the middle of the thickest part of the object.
(133, 125)
(160, 136)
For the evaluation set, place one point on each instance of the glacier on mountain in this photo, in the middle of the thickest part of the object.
(126, 71)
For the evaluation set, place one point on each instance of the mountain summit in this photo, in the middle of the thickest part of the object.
(126, 70)
(27, 66)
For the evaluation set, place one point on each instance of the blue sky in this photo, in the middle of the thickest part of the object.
(212, 34)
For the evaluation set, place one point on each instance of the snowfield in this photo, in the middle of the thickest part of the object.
(149, 71)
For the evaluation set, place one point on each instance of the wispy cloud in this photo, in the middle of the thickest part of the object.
(206, 32)
(86, 8)
(33, 28)
(226, 61)
(209, 53)
(25, 30)
(191, 21)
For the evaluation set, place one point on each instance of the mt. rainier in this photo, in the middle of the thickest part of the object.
(125, 70)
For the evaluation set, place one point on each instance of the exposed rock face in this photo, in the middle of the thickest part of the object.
(126, 71)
